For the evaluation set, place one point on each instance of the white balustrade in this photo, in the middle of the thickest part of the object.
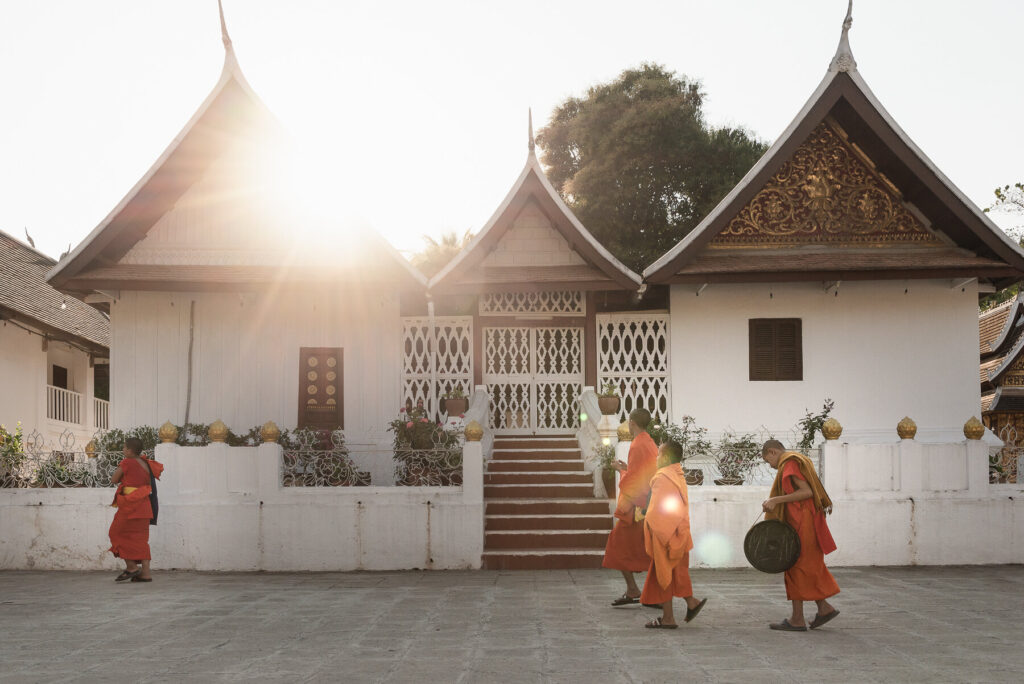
(101, 413)
(63, 405)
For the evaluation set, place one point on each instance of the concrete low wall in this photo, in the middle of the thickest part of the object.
(222, 508)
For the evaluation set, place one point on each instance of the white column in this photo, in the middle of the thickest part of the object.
(472, 473)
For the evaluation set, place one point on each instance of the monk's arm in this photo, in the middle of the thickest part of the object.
(803, 491)
(116, 476)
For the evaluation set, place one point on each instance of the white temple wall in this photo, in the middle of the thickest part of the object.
(880, 349)
(245, 366)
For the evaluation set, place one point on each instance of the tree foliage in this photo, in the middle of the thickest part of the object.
(637, 162)
(1009, 200)
(436, 254)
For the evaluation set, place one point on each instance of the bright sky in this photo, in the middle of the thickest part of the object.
(417, 111)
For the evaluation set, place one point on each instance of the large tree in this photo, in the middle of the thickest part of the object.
(638, 163)
(436, 254)
(1009, 200)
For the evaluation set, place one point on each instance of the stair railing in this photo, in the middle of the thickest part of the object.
(480, 411)
(587, 434)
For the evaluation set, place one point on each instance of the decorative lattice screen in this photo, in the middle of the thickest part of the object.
(633, 353)
(453, 358)
(548, 303)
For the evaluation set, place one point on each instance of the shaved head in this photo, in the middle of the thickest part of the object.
(642, 418)
(672, 450)
(772, 444)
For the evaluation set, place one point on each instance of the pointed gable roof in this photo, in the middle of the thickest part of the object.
(931, 228)
(597, 268)
(230, 113)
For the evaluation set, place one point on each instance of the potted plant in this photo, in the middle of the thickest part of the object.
(735, 457)
(608, 399)
(606, 462)
(691, 437)
(425, 453)
(12, 456)
(456, 403)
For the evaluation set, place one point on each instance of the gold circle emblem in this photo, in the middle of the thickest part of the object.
(332, 362)
(311, 376)
(331, 376)
(331, 402)
(313, 361)
(311, 389)
(330, 390)
(311, 402)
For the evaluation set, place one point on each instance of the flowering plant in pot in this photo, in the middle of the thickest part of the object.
(426, 454)
(456, 403)
(608, 398)
(606, 461)
(735, 457)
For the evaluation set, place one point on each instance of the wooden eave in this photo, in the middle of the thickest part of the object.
(1008, 329)
(845, 97)
(464, 270)
(55, 333)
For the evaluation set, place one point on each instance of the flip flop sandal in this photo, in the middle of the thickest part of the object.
(656, 623)
(784, 626)
(690, 614)
(142, 579)
(819, 620)
(625, 600)
(651, 605)
(127, 575)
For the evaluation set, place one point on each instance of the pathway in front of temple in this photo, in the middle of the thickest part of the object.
(897, 625)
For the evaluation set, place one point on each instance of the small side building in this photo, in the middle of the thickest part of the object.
(54, 352)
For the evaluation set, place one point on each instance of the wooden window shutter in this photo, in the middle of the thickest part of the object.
(321, 388)
(776, 349)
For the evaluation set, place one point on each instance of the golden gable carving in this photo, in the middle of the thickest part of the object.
(826, 193)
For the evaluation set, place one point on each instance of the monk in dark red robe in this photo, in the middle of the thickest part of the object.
(129, 533)
(799, 498)
(668, 540)
(625, 548)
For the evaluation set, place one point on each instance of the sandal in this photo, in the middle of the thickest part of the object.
(656, 623)
(819, 620)
(142, 579)
(625, 600)
(127, 575)
(784, 626)
(692, 613)
(652, 605)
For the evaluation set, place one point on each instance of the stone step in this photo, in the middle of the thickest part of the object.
(549, 506)
(535, 443)
(541, 478)
(547, 559)
(556, 521)
(545, 539)
(538, 491)
(529, 465)
(536, 454)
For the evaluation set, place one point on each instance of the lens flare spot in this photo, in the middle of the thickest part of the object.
(606, 441)
(670, 505)
(714, 549)
(583, 417)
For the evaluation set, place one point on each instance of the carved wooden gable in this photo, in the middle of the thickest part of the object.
(827, 193)
(1014, 375)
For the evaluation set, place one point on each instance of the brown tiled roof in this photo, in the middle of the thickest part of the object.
(989, 365)
(991, 323)
(24, 291)
(986, 400)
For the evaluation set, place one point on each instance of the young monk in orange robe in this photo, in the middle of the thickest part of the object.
(129, 532)
(668, 541)
(798, 497)
(625, 548)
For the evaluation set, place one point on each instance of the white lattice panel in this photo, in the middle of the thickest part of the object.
(559, 351)
(556, 406)
(633, 353)
(453, 358)
(507, 351)
(510, 406)
(559, 303)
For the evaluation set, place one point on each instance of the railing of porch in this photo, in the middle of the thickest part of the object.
(101, 413)
(63, 405)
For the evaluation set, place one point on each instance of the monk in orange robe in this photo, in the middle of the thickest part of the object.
(799, 498)
(625, 548)
(129, 532)
(668, 541)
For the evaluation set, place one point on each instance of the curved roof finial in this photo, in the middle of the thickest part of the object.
(844, 61)
(530, 115)
(224, 27)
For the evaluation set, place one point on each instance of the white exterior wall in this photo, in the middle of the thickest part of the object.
(25, 370)
(222, 508)
(245, 365)
(880, 349)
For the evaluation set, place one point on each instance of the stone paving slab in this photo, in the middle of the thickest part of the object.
(958, 624)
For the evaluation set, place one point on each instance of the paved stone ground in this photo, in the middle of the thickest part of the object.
(897, 625)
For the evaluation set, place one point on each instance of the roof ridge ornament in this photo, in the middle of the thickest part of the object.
(532, 143)
(844, 61)
(224, 28)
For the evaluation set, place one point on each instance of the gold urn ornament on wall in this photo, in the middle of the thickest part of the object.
(624, 434)
(90, 448)
(474, 431)
(218, 432)
(974, 428)
(168, 433)
(831, 429)
(906, 428)
(270, 433)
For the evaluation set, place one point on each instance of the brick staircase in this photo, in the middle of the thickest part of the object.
(540, 510)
